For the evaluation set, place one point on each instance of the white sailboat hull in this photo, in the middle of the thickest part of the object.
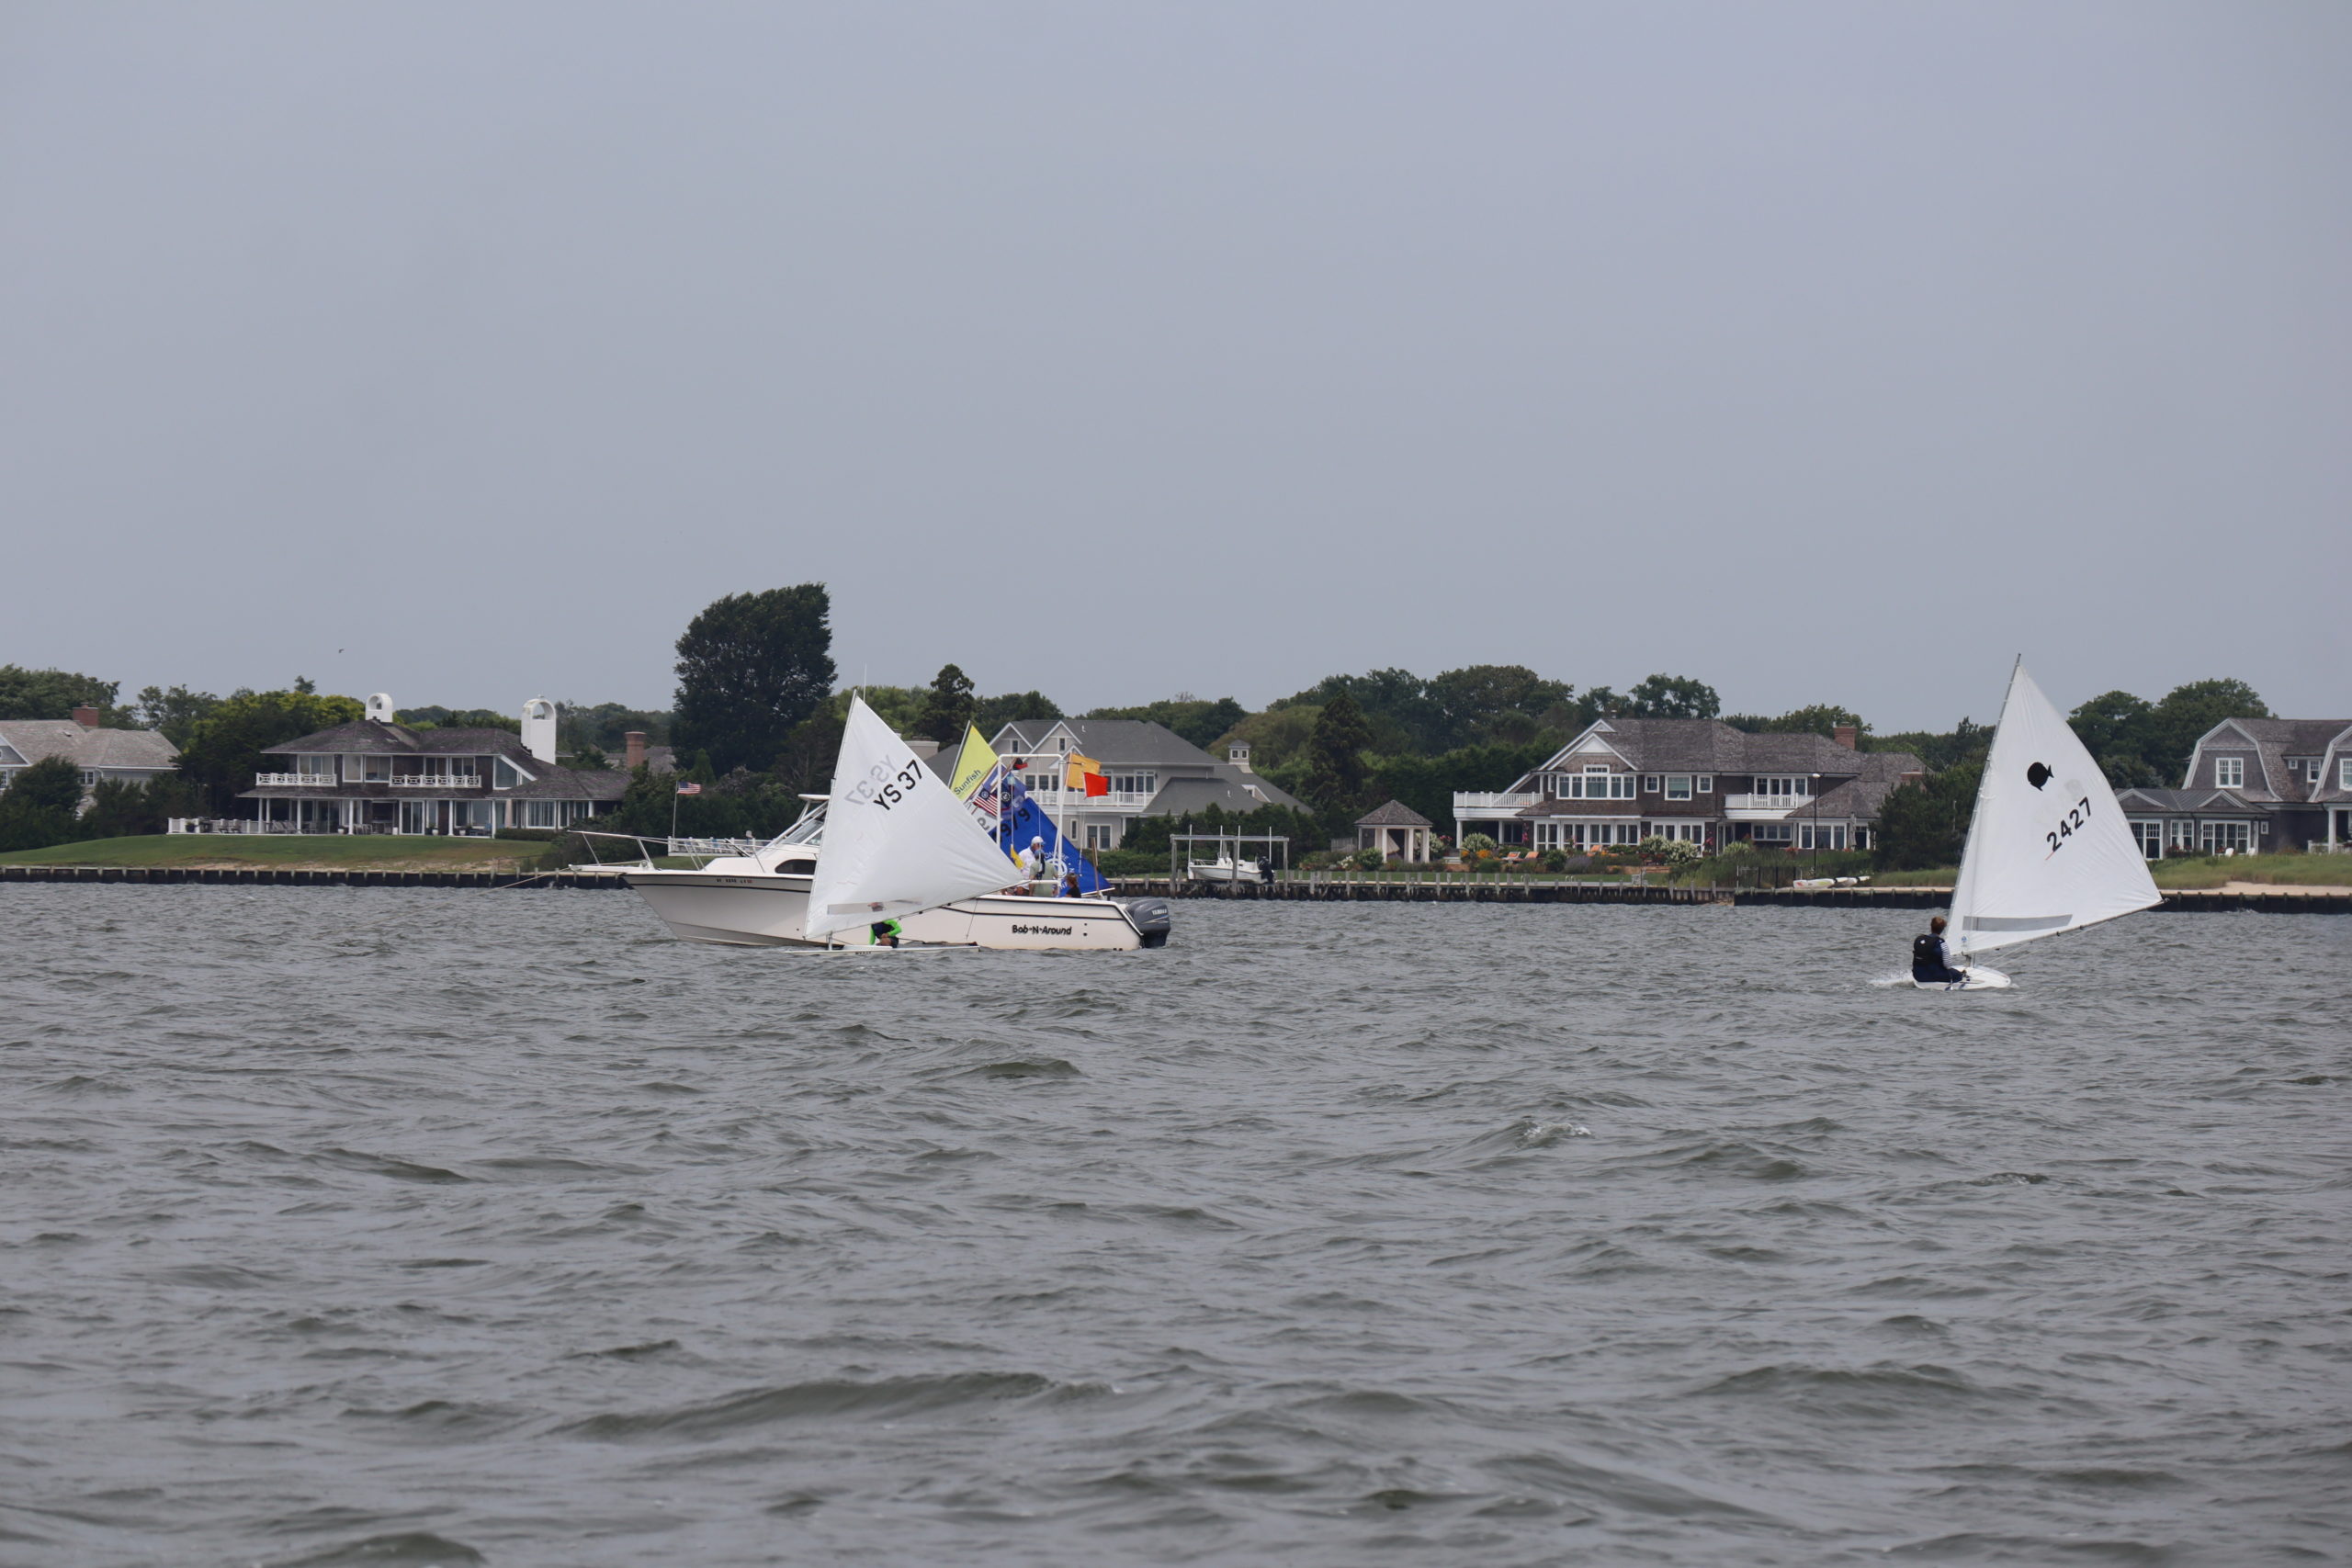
(747, 910)
(1979, 979)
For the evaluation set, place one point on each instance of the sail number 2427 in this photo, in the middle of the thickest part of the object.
(2079, 815)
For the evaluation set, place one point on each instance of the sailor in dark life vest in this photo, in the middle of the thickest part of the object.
(884, 934)
(1929, 964)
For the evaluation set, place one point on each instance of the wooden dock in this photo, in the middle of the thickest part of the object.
(286, 876)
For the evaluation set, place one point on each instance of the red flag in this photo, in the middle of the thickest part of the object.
(1097, 785)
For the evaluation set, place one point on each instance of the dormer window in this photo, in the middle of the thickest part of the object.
(505, 774)
(2228, 772)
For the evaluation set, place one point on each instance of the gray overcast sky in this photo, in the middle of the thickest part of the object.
(1824, 352)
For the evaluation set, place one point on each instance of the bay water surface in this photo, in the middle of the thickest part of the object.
(399, 1227)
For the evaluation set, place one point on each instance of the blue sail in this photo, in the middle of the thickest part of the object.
(1027, 821)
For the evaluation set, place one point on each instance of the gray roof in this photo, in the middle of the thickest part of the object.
(1228, 787)
(1395, 814)
(1114, 742)
(35, 739)
(1711, 746)
(2202, 800)
(367, 736)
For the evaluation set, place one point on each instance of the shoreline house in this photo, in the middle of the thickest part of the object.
(374, 775)
(102, 755)
(1623, 780)
(1150, 768)
(2253, 786)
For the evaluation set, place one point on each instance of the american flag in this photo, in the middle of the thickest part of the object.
(690, 789)
(990, 796)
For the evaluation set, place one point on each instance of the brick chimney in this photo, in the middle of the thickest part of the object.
(635, 741)
(86, 716)
(1846, 735)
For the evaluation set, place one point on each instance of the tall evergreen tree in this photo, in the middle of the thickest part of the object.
(1338, 772)
(750, 667)
(948, 707)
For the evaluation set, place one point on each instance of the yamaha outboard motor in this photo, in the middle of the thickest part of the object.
(1150, 919)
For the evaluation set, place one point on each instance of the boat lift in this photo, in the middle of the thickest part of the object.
(1229, 852)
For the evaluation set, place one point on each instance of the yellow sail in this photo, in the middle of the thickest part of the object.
(974, 763)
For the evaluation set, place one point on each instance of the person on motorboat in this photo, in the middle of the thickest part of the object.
(1931, 962)
(1069, 885)
(1032, 859)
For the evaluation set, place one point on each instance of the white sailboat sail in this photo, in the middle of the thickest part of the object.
(2049, 849)
(897, 840)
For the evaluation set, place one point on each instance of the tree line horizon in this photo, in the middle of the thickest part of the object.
(758, 714)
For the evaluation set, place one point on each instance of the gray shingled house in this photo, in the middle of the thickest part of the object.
(376, 776)
(1152, 772)
(2253, 786)
(102, 755)
(1623, 780)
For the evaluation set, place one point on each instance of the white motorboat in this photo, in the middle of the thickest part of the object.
(890, 846)
(2049, 849)
(1223, 869)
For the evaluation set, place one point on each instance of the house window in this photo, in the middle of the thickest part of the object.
(1821, 836)
(2228, 772)
(2216, 837)
(1861, 837)
(1134, 783)
(2344, 772)
(1771, 833)
(1797, 786)
(503, 775)
(1677, 786)
(539, 814)
(317, 769)
(1102, 835)
(1649, 784)
(2151, 838)
(1706, 784)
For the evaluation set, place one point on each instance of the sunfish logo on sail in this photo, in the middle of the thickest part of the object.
(2038, 775)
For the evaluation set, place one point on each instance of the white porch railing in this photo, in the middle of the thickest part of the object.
(1767, 801)
(226, 825)
(436, 781)
(1492, 800)
(283, 781)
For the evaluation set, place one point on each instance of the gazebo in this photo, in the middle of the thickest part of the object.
(1397, 830)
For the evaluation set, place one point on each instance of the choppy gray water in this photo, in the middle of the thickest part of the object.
(407, 1227)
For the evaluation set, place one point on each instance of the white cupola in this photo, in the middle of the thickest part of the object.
(539, 728)
(380, 708)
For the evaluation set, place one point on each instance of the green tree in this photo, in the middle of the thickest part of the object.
(1338, 769)
(1672, 696)
(1428, 783)
(750, 667)
(1819, 718)
(438, 718)
(1926, 824)
(120, 810)
(993, 714)
(948, 706)
(605, 726)
(1479, 703)
(2187, 712)
(38, 806)
(2117, 728)
(173, 714)
(1203, 722)
(55, 694)
(224, 749)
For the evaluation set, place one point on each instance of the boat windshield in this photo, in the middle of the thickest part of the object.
(809, 829)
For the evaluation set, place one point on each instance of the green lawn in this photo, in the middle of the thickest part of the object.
(325, 852)
(2291, 871)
